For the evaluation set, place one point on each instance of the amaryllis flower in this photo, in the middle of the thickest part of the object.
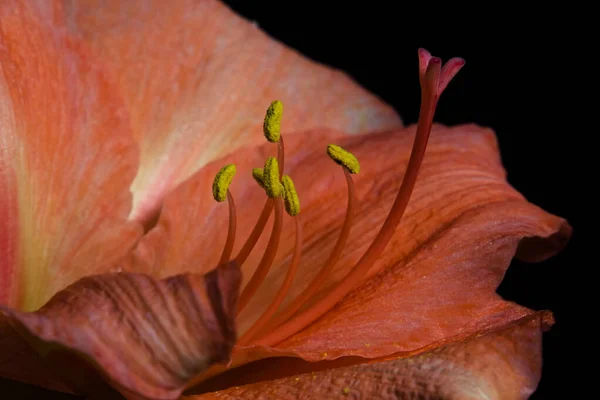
(120, 273)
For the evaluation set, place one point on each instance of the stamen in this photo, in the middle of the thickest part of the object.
(264, 215)
(290, 196)
(267, 260)
(256, 232)
(430, 71)
(225, 256)
(258, 175)
(222, 181)
(271, 178)
(292, 207)
(344, 158)
(283, 290)
(272, 123)
(318, 280)
(220, 189)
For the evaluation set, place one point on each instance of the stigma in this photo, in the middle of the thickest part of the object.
(275, 325)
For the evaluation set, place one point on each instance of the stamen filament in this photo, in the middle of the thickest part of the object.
(231, 231)
(264, 215)
(429, 86)
(316, 283)
(283, 290)
(267, 260)
(256, 232)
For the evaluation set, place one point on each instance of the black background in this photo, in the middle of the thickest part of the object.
(517, 81)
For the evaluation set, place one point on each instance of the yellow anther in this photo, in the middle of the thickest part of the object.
(344, 157)
(258, 175)
(222, 182)
(273, 186)
(290, 196)
(272, 124)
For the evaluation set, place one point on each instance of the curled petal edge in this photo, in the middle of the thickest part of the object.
(146, 338)
(503, 363)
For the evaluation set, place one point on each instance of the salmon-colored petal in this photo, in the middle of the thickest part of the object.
(461, 174)
(445, 288)
(147, 338)
(67, 158)
(502, 364)
(437, 278)
(435, 281)
(198, 79)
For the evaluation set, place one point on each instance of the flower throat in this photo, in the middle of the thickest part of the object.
(269, 330)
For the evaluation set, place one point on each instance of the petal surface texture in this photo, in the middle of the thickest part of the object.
(198, 79)
(67, 159)
(502, 364)
(435, 282)
(146, 337)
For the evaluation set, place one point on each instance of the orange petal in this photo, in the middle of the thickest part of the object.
(67, 159)
(445, 288)
(147, 338)
(501, 364)
(198, 80)
(435, 281)
(461, 185)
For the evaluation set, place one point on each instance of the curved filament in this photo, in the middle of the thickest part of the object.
(285, 287)
(264, 215)
(316, 283)
(231, 231)
(267, 260)
(256, 232)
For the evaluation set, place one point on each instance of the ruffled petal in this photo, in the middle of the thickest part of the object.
(67, 159)
(462, 228)
(198, 79)
(444, 289)
(501, 364)
(146, 338)
(435, 282)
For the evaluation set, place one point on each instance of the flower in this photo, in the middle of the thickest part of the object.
(100, 101)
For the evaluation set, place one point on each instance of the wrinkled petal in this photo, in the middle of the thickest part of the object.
(446, 288)
(146, 337)
(67, 158)
(501, 364)
(436, 281)
(438, 276)
(198, 79)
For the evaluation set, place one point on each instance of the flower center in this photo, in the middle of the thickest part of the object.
(268, 330)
